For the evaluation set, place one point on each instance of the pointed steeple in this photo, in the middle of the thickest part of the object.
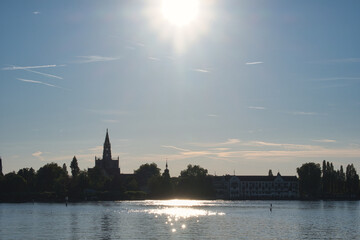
(107, 147)
(166, 173)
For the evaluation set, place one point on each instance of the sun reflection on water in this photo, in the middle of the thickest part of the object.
(176, 208)
(178, 215)
(176, 202)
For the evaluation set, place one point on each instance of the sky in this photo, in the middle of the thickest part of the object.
(239, 87)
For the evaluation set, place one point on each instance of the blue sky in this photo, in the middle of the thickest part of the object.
(247, 86)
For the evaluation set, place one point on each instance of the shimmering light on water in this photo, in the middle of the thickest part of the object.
(177, 203)
(178, 219)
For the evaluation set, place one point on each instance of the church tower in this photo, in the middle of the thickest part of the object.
(108, 165)
(107, 147)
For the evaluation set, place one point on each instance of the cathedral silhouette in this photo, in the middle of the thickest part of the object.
(109, 166)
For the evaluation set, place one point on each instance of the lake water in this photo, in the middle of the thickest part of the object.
(182, 219)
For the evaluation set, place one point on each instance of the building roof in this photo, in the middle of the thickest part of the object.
(260, 178)
(266, 178)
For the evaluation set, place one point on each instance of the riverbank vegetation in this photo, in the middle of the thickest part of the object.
(54, 183)
(325, 182)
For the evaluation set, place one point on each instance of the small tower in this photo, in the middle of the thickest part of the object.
(166, 171)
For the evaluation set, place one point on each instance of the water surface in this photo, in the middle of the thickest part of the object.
(182, 219)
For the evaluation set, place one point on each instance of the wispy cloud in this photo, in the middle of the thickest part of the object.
(38, 154)
(29, 67)
(201, 70)
(36, 12)
(324, 140)
(44, 74)
(153, 58)
(253, 63)
(281, 145)
(263, 151)
(176, 148)
(230, 141)
(96, 149)
(38, 82)
(304, 113)
(318, 153)
(256, 107)
(95, 58)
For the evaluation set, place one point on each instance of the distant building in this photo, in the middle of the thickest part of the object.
(107, 164)
(166, 172)
(1, 173)
(256, 187)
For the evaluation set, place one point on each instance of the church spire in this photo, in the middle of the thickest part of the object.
(107, 147)
(166, 173)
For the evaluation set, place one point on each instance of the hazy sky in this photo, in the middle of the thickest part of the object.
(245, 86)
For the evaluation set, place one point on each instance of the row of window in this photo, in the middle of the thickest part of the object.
(262, 184)
(289, 193)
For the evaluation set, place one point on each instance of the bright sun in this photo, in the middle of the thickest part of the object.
(180, 12)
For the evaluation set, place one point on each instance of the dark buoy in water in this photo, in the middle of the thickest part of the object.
(66, 200)
(270, 207)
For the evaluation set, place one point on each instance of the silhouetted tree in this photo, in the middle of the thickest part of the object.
(74, 167)
(333, 181)
(1, 183)
(51, 178)
(309, 179)
(29, 175)
(13, 183)
(160, 186)
(131, 184)
(65, 169)
(341, 181)
(193, 182)
(145, 172)
(97, 179)
(352, 180)
(78, 185)
(194, 171)
(1, 171)
(325, 177)
(167, 184)
(155, 186)
(83, 179)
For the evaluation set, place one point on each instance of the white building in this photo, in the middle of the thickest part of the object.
(256, 187)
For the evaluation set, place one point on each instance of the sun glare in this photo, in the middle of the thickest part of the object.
(180, 12)
(180, 22)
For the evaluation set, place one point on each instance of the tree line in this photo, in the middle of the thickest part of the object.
(54, 183)
(327, 183)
